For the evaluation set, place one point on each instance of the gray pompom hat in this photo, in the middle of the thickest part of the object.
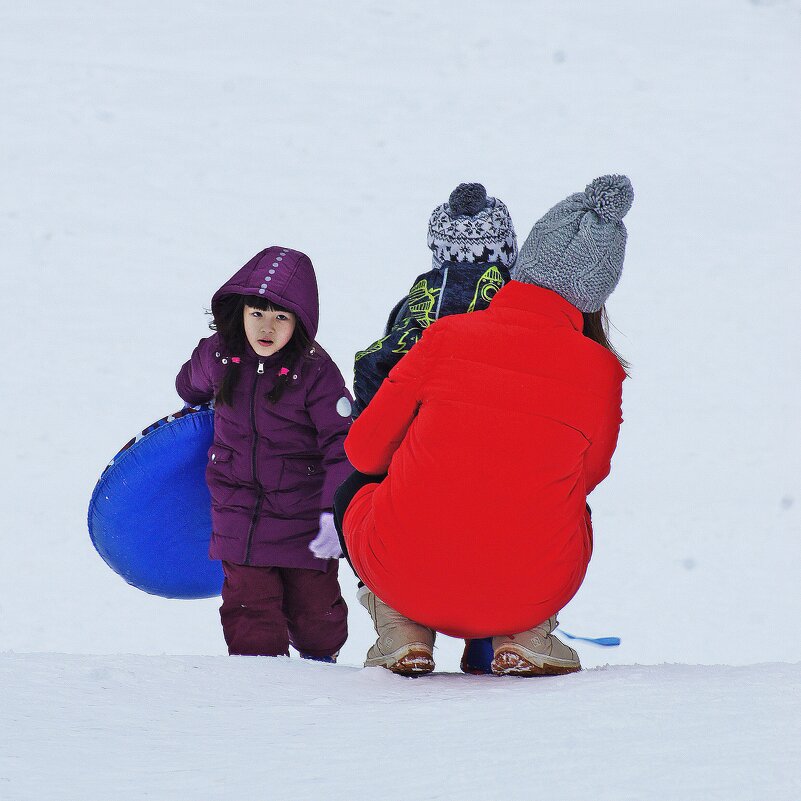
(577, 248)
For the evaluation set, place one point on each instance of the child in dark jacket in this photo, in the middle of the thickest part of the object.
(474, 247)
(281, 415)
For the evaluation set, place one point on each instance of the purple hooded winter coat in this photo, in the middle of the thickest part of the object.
(273, 467)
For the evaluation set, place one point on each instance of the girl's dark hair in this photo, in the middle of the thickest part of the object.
(228, 323)
(596, 327)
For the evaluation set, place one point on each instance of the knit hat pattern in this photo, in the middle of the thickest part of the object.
(472, 227)
(577, 248)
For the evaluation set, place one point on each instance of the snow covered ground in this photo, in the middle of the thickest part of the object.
(134, 727)
(148, 150)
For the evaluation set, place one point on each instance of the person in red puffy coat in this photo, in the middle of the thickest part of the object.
(468, 515)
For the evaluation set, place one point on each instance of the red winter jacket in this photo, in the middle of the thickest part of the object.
(493, 429)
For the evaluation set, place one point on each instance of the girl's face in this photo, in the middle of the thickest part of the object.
(268, 331)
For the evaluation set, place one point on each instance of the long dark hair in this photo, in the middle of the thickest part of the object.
(228, 323)
(596, 327)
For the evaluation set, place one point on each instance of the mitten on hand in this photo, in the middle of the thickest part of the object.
(326, 544)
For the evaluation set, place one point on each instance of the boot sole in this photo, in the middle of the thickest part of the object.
(510, 662)
(405, 662)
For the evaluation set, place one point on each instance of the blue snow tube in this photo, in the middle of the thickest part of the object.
(150, 513)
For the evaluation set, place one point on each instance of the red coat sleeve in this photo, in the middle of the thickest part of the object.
(381, 427)
(193, 382)
(598, 457)
(328, 403)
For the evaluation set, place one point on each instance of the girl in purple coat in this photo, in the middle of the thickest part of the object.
(281, 415)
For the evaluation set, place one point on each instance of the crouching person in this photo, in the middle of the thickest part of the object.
(468, 514)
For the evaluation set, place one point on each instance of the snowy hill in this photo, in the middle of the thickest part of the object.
(148, 150)
(133, 727)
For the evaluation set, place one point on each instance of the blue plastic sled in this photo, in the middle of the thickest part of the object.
(150, 513)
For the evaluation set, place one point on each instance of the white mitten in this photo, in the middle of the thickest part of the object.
(326, 544)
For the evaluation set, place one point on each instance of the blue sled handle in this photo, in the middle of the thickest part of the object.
(606, 642)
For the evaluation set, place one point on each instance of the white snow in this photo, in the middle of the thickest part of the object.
(150, 149)
(133, 727)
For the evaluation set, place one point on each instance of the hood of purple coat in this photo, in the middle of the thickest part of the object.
(283, 276)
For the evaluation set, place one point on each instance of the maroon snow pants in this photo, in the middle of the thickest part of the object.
(264, 609)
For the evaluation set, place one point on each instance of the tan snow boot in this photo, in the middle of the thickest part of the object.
(403, 646)
(536, 652)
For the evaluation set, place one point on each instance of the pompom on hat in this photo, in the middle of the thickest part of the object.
(472, 227)
(468, 200)
(577, 248)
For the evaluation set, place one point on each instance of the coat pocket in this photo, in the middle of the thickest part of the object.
(219, 477)
(219, 454)
(300, 486)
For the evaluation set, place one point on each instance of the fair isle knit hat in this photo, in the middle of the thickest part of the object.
(577, 248)
(472, 227)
